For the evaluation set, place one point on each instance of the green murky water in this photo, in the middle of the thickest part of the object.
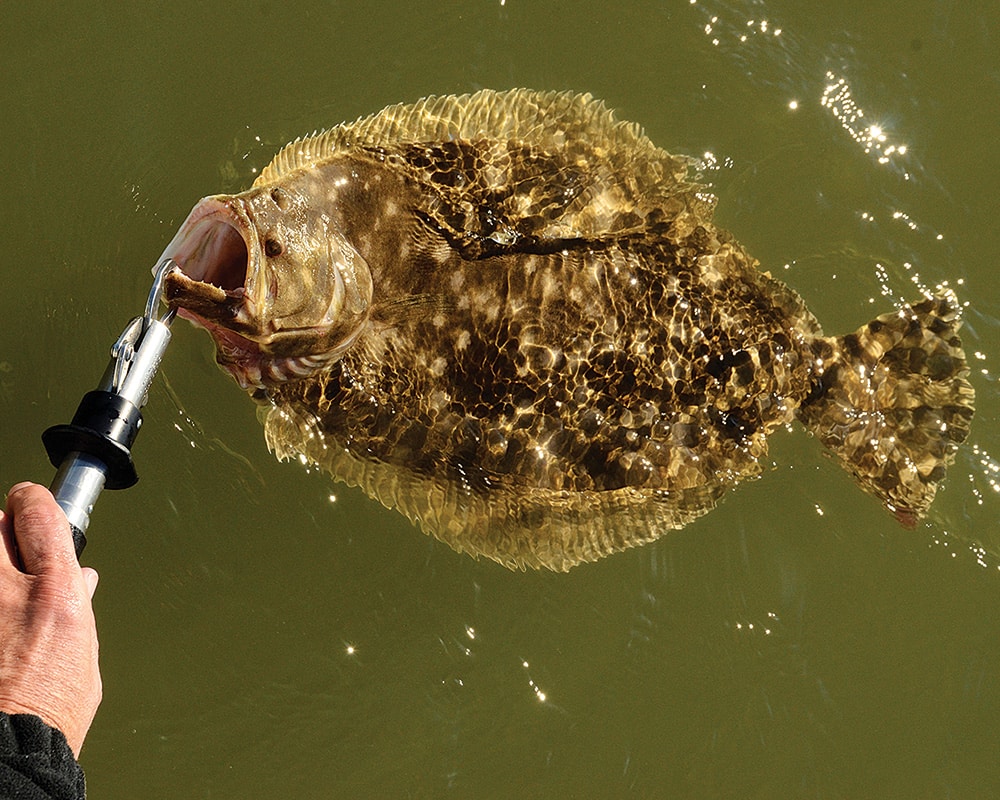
(267, 634)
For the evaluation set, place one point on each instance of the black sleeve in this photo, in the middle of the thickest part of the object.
(36, 762)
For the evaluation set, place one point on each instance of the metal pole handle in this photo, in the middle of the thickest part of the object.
(93, 452)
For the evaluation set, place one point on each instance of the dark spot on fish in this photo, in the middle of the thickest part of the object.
(733, 424)
(411, 440)
(852, 346)
(939, 326)
(626, 385)
(273, 248)
(595, 461)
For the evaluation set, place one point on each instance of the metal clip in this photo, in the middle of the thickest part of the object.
(160, 272)
(124, 349)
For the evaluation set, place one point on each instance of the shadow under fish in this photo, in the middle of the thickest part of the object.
(512, 318)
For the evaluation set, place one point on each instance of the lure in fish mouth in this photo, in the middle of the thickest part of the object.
(279, 305)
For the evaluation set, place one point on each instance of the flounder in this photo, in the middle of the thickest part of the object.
(511, 317)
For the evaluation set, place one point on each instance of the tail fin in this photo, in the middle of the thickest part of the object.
(893, 402)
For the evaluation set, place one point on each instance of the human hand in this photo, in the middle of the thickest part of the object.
(48, 637)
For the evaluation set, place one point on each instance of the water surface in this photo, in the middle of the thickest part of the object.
(268, 634)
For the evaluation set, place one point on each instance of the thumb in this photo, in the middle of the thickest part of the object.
(41, 531)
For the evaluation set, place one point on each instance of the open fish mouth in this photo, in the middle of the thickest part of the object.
(215, 288)
(211, 290)
(211, 248)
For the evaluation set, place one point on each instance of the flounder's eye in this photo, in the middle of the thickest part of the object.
(272, 248)
(279, 198)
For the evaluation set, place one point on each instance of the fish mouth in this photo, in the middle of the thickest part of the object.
(223, 284)
(212, 287)
(212, 249)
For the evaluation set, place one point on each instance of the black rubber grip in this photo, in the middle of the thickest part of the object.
(104, 426)
(79, 540)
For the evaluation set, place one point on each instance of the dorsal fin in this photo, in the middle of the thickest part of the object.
(548, 120)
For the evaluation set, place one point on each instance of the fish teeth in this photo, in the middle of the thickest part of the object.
(248, 375)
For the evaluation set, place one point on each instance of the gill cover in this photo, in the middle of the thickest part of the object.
(308, 276)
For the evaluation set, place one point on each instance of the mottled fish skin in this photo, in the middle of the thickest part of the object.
(512, 318)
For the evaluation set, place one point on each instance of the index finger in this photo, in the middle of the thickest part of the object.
(40, 529)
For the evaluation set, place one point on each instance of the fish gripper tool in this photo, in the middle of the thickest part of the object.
(93, 452)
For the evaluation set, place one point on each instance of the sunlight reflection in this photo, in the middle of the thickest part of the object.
(872, 137)
(539, 694)
(991, 468)
(767, 628)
